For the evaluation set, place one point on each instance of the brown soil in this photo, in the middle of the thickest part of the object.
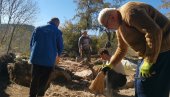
(75, 88)
(14, 90)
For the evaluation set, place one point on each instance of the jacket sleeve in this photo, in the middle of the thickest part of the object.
(79, 42)
(120, 51)
(60, 44)
(33, 38)
(153, 35)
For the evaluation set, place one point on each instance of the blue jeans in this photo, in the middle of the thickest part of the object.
(157, 85)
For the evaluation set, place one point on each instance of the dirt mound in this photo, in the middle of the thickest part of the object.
(4, 60)
(20, 72)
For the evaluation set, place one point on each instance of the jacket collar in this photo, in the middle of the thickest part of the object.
(53, 24)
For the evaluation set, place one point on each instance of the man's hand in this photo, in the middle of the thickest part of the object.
(106, 67)
(58, 59)
(145, 69)
(80, 51)
(109, 65)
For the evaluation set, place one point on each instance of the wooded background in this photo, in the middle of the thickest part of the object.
(17, 16)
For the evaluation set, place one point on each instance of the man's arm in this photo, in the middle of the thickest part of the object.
(80, 45)
(33, 38)
(120, 51)
(153, 35)
(79, 42)
(60, 44)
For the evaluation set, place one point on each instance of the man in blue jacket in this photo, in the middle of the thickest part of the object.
(46, 43)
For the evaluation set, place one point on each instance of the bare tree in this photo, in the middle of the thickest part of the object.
(17, 13)
(0, 10)
(87, 12)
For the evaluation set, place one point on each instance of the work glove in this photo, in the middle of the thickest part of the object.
(106, 68)
(57, 59)
(145, 69)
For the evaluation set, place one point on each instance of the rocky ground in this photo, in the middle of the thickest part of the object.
(76, 87)
(14, 90)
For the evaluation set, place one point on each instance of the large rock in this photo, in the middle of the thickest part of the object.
(86, 74)
(61, 75)
(20, 72)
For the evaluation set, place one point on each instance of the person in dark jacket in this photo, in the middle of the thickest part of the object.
(84, 45)
(147, 31)
(46, 44)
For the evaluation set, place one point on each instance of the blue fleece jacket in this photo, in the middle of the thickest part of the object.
(46, 43)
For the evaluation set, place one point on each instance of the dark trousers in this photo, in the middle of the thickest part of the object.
(86, 53)
(159, 84)
(39, 83)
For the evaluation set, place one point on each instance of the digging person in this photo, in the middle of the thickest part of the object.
(147, 31)
(46, 43)
(109, 79)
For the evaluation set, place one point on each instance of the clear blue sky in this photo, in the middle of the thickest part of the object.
(66, 9)
(63, 9)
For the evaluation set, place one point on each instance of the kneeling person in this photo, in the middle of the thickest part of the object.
(115, 76)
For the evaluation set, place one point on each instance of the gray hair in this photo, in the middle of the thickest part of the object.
(104, 13)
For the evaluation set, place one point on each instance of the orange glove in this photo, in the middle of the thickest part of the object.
(57, 59)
